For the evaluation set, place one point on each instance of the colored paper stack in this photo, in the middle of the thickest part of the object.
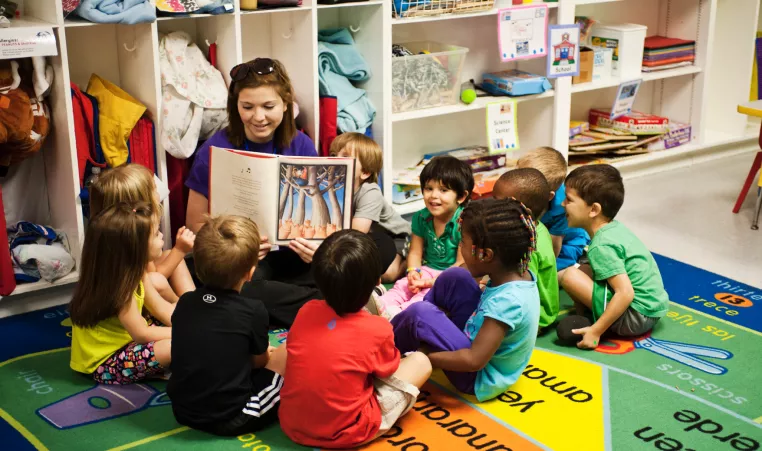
(662, 53)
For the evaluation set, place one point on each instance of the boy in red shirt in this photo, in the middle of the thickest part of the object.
(346, 383)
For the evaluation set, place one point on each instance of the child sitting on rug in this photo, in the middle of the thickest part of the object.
(345, 384)
(500, 324)
(135, 183)
(111, 339)
(371, 213)
(626, 292)
(568, 243)
(529, 187)
(447, 184)
(225, 376)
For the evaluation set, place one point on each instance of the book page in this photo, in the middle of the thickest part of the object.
(244, 184)
(315, 197)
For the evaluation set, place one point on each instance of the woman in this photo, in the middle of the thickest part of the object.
(261, 119)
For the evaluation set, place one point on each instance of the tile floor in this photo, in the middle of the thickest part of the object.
(686, 214)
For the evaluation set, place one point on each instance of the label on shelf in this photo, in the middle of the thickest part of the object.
(521, 32)
(625, 98)
(502, 129)
(26, 42)
(563, 57)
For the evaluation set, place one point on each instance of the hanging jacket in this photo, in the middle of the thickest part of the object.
(118, 114)
(194, 95)
(142, 143)
(86, 133)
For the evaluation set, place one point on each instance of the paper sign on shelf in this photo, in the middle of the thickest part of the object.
(521, 32)
(26, 42)
(502, 126)
(625, 98)
(563, 51)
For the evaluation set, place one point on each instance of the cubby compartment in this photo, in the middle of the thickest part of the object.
(365, 24)
(287, 36)
(53, 171)
(206, 30)
(37, 13)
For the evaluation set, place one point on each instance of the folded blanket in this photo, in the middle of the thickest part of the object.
(337, 52)
(117, 11)
(338, 63)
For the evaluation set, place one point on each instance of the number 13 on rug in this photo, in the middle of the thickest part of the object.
(502, 127)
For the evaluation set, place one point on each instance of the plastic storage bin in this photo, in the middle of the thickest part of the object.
(626, 40)
(427, 77)
(417, 8)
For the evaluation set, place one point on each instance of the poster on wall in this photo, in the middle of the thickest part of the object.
(26, 42)
(625, 98)
(563, 51)
(522, 32)
(502, 126)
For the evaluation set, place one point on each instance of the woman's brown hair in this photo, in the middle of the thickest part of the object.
(279, 81)
(114, 257)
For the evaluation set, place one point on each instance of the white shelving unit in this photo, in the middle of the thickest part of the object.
(705, 95)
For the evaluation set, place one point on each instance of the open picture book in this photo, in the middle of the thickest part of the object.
(287, 197)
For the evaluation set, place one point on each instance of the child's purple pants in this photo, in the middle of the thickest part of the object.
(455, 292)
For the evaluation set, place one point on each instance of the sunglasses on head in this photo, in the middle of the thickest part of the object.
(260, 66)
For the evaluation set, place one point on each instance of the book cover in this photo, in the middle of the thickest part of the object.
(287, 197)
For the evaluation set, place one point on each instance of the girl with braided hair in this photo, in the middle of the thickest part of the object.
(482, 341)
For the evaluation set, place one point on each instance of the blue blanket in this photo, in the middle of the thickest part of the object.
(338, 63)
(117, 11)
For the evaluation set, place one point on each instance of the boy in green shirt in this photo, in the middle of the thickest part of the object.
(530, 187)
(626, 292)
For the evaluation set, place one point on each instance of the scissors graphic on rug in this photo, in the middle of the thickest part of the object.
(687, 354)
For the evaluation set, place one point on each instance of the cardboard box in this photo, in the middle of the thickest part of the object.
(484, 182)
(478, 157)
(586, 59)
(635, 122)
(577, 127)
(514, 83)
(602, 64)
(679, 133)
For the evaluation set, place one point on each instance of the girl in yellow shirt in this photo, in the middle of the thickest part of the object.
(111, 338)
(135, 183)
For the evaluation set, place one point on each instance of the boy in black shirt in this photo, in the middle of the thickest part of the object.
(226, 379)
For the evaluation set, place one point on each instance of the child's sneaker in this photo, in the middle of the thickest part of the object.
(375, 306)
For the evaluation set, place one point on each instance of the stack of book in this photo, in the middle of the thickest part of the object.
(632, 134)
(662, 53)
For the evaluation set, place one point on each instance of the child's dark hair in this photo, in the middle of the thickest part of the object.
(346, 267)
(505, 226)
(529, 186)
(599, 183)
(451, 173)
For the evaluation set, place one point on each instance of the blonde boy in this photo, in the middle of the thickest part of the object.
(568, 243)
(226, 376)
(370, 211)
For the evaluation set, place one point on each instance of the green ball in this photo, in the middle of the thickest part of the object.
(468, 96)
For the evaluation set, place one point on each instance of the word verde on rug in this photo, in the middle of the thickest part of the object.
(688, 385)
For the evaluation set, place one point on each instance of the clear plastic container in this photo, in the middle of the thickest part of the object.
(429, 76)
